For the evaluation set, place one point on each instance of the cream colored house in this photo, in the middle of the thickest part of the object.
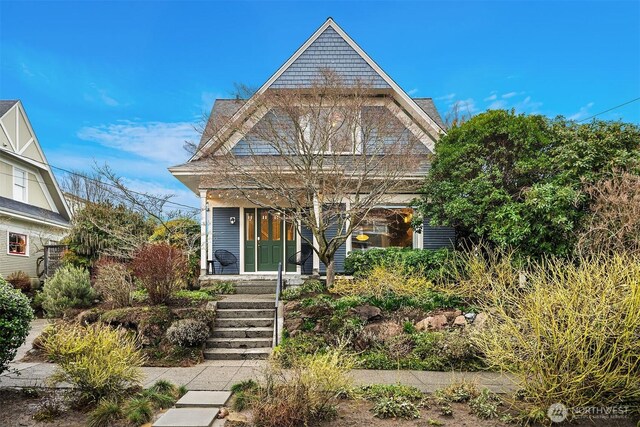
(33, 211)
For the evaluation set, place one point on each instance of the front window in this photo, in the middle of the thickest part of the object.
(17, 244)
(384, 228)
(333, 131)
(20, 185)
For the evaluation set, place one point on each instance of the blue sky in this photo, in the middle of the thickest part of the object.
(124, 82)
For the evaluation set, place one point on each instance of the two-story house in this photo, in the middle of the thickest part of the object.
(240, 227)
(33, 211)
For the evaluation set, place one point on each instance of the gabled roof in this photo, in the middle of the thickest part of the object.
(6, 106)
(33, 212)
(30, 152)
(429, 107)
(329, 46)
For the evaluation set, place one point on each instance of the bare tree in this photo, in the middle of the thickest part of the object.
(457, 115)
(321, 156)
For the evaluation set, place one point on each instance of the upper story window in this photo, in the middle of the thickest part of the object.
(20, 185)
(17, 244)
(333, 132)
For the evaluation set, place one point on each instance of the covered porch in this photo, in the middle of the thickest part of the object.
(247, 242)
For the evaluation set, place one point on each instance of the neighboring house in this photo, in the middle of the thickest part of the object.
(230, 224)
(33, 212)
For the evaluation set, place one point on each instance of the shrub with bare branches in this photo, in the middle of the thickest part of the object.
(114, 282)
(614, 223)
(161, 268)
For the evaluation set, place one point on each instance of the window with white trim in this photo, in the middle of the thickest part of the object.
(20, 185)
(17, 244)
(340, 135)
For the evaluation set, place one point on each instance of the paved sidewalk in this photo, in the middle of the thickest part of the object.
(219, 375)
(222, 374)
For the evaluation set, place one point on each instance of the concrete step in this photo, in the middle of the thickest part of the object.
(244, 313)
(243, 322)
(203, 399)
(188, 417)
(248, 304)
(239, 342)
(262, 332)
(255, 289)
(237, 353)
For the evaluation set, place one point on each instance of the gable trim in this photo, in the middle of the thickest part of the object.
(404, 97)
(42, 165)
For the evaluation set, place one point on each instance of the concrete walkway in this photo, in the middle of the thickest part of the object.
(218, 375)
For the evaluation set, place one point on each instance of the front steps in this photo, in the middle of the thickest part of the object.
(195, 409)
(243, 327)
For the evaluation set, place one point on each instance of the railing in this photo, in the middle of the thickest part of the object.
(275, 313)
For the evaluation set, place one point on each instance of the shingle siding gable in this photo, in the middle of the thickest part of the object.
(329, 51)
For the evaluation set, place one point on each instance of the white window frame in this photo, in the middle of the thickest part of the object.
(357, 144)
(20, 192)
(26, 246)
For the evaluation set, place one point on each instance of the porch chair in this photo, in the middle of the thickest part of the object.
(226, 259)
(299, 258)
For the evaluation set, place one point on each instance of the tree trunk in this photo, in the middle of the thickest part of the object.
(331, 272)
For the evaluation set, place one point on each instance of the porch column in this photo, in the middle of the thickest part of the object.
(204, 232)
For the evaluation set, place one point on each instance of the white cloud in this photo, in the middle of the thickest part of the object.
(467, 105)
(448, 97)
(157, 141)
(491, 97)
(179, 195)
(582, 113)
(509, 95)
(413, 91)
(497, 105)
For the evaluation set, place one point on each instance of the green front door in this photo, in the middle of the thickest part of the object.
(270, 240)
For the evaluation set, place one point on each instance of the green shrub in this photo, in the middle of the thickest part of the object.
(378, 391)
(309, 287)
(99, 361)
(485, 404)
(15, 322)
(395, 407)
(221, 288)
(188, 333)
(105, 414)
(430, 263)
(69, 287)
(195, 297)
(138, 410)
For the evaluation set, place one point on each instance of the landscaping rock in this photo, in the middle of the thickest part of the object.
(376, 333)
(292, 306)
(432, 323)
(480, 321)
(236, 419)
(451, 315)
(470, 316)
(293, 324)
(88, 317)
(460, 321)
(367, 313)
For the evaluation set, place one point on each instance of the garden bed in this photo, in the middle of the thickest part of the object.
(426, 332)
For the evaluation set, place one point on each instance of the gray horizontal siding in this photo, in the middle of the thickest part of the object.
(307, 268)
(435, 237)
(340, 255)
(226, 235)
(329, 51)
